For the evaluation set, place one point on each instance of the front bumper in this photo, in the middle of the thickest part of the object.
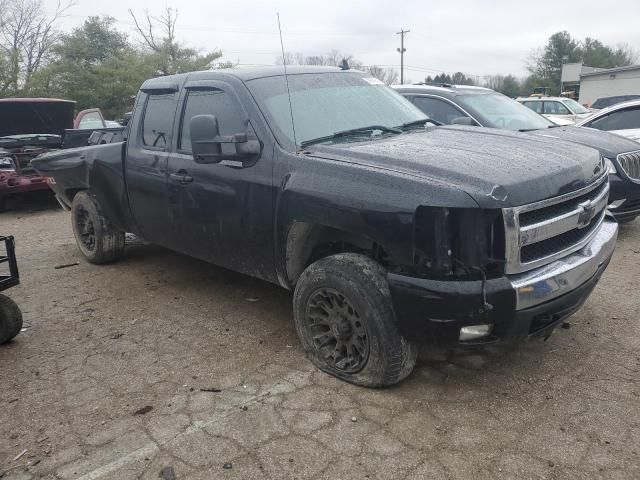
(624, 198)
(519, 306)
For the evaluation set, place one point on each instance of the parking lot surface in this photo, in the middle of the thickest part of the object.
(163, 361)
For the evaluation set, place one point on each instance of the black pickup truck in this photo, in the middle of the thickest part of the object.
(389, 229)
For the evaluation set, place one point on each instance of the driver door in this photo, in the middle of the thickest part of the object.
(221, 212)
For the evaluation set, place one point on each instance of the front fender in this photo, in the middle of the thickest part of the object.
(370, 203)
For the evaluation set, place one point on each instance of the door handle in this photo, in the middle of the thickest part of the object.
(181, 177)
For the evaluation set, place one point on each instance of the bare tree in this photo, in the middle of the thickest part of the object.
(333, 59)
(291, 58)
(158, 35)
(27, 34)
(387, 75)
(148, 30)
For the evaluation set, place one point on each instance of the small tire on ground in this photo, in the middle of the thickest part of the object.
(97, 239)
(10, 319)
(359, 283)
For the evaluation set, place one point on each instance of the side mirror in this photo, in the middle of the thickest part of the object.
(206, 142)
(204, 132)
(464, 121)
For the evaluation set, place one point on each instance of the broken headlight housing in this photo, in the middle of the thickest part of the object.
(459, 242)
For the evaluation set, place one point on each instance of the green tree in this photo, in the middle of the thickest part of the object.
(547, 66)
(596, 54)
(95, 66)
(460, 78)
(511, 87)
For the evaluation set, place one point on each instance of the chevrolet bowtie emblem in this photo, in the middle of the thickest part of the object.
(588, 210)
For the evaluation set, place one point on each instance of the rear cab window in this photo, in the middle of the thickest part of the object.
(157, 123)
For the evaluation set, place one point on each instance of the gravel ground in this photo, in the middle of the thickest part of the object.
(163, 361)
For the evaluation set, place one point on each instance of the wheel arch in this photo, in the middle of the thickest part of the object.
(308, 242)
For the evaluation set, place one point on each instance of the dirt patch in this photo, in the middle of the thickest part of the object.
(227, 391)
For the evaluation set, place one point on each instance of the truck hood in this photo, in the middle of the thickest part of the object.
(35, 116)
(608, 144)
(496, 168)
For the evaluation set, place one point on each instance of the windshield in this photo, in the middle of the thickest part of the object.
(326, 103)
(502, 112)
(574, 106)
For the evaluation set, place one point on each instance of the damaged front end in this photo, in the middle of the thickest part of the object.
(17, 175)
(483, 276)
(458, 275)
(29, 127)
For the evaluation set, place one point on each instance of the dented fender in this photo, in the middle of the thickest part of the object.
(99, 169)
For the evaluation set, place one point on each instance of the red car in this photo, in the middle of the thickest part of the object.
(29, 127)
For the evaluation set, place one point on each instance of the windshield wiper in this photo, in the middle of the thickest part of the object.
(418, 123)
(534, 129)
(351, 131)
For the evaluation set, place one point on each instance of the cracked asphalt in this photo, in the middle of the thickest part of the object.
(162, 360)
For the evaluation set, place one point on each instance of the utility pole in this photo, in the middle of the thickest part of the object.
(402, 50)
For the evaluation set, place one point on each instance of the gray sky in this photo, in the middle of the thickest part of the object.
(496, 37)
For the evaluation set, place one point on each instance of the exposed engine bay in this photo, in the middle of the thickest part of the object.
(18, 159)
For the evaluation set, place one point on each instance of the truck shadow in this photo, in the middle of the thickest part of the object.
(257, 305)
(32, 202)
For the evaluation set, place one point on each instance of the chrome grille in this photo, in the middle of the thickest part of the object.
(630, 163)
(541, 232)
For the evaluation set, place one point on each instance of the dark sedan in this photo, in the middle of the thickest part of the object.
(467, 105)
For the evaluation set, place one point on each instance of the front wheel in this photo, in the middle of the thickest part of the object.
(346, 323)
(98, 240)
(10, 319)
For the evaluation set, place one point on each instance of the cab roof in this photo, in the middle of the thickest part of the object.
(241, 73)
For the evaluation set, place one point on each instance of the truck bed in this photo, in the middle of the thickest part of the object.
(98, 168)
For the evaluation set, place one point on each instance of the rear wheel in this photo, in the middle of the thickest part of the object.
(98, 240)
(346, 323)
(10, 319)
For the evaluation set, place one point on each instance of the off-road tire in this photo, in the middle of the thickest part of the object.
(10, 319)
(98, 240)
(361, 283)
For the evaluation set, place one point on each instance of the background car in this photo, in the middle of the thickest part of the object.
(605, 102)
(477, 106)
(557, 109)
(622, 119)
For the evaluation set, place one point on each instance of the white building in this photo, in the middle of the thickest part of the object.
(571, 73)
(608, 83)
